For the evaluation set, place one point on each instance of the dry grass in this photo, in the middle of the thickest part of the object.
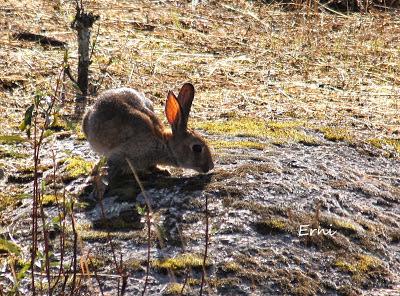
(248, 58)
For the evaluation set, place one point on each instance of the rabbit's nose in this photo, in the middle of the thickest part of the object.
(207, 167)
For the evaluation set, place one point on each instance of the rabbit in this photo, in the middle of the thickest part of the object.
(122, 124)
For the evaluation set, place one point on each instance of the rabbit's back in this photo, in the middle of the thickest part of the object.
(122, 120)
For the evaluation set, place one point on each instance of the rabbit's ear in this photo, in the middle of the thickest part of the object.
(172, 110)
(185, 99)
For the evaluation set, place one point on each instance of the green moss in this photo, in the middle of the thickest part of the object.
(11, 200)
(58, 124)
(85, 205)
(76, 166)
(50, 199)
(222, 144)
(363, 268)
(335, 134)
(344, 226)
(175, 289)
(31, 169)
(133, 265)
(79, 133)
(127, 222)
(231, 267)
(180, 262)
(48, 133)
(270, 225)
(103, 236)
(228, 283)
(255, 207)
(96, 262)
(245, 127)
(9, 247)
(11, 139)
(12, 154)
(253, 169)
(282, 136)
(385, 142)
(285, 124)
(26, 174)
(278, 132)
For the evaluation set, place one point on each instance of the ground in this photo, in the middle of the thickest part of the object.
(302, 111)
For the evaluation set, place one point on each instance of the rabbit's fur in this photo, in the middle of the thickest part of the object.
(122, 124)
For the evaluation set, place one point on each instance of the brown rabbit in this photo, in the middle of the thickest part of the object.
(122, 124)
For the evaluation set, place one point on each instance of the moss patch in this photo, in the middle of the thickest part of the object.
(11, 200)
(278, 132)
(133, 265)
(76, 167)
(230, 267)
(386, 143)
(242, 127)
(123, 222)
(270, 225)
(222, 144)
(103, 236)
(364, 269)
(175, 289)
(50, 199)
(11, 139)
(180, 262)
(12, 154)
(79, 133)
(335, 134)
(96, 262)
(9, 247)
(58, 124)
(344, 226)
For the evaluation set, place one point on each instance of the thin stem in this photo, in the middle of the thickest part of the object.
(203, 274)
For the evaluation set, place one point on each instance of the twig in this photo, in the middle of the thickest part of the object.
(74, 258)
(203, 274)
(185, 282)
(147, 200)
(96, 276)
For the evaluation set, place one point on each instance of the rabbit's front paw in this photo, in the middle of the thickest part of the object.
(157, 171)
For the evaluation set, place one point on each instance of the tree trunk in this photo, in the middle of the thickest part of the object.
(83, 23)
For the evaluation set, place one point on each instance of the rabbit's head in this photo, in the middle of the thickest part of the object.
(189, 148)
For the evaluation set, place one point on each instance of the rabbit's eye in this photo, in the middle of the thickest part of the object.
(197, 148)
